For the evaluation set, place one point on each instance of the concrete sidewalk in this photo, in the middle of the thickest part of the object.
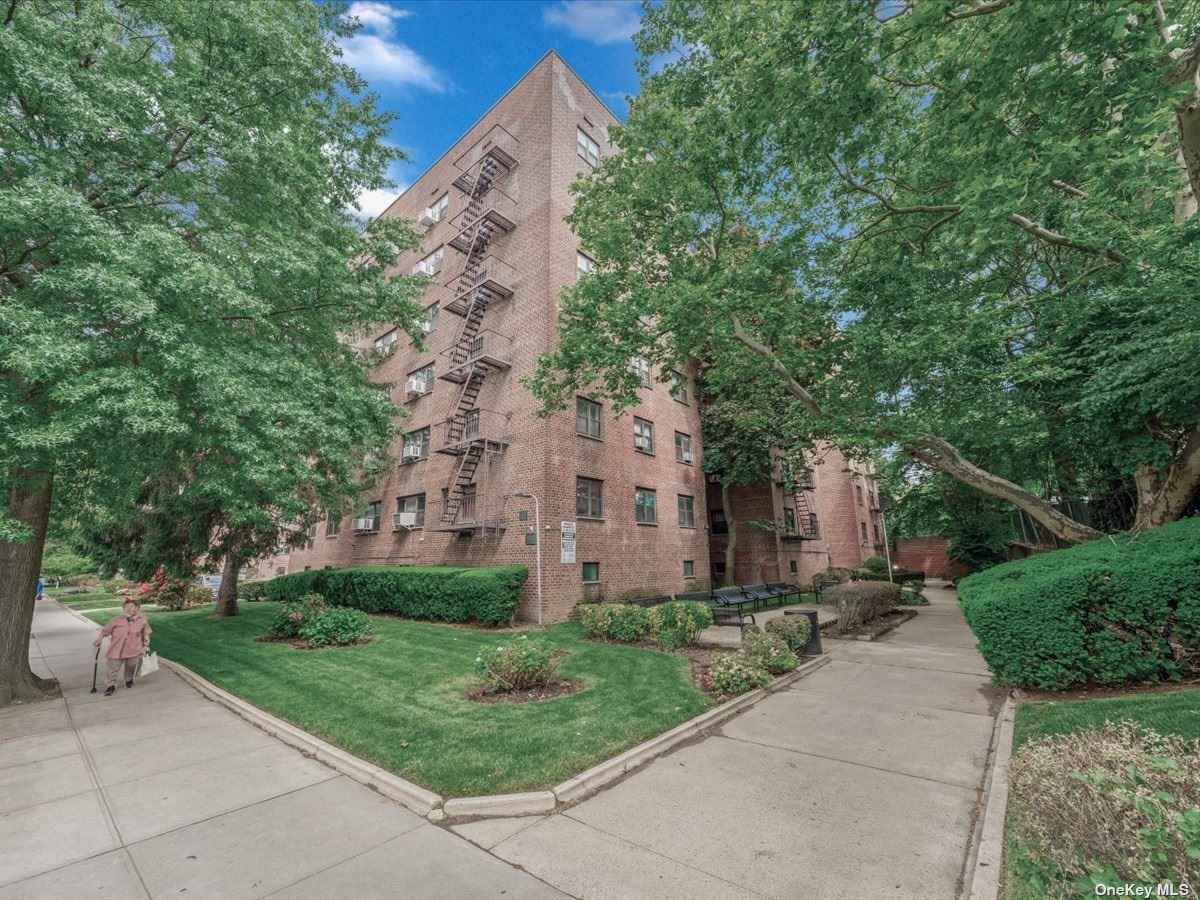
(158, 792)
(859, 781)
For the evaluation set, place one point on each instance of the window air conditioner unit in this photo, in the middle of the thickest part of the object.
(416, 387)
(426, 326)
(428, 218)
(687, 456)
(405, 520)
(641, 443)
(364, 523)
(411, 453)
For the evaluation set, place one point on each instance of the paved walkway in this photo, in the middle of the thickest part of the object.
(860, 781)
(159, 792)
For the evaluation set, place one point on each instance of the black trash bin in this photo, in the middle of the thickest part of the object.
(814, 630)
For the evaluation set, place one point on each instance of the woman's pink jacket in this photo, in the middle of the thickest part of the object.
(128, 637)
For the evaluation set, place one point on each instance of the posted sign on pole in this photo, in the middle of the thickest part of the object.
(568, 542)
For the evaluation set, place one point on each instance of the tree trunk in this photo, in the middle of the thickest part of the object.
(1164, 495)
(28, 502)
(227, 594)
(731, 540)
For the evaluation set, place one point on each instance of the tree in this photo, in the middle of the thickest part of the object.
(946, 228)
(178, 273)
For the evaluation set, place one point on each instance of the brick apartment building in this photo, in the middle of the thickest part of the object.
(630, 488)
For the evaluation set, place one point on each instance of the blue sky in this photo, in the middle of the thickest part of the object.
(439, 64)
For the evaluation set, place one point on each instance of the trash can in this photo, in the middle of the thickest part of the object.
(814, 632)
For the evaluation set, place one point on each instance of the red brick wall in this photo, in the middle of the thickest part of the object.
(927, 554)
(537, 120)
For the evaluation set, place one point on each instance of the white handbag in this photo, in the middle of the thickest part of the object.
(149, 664)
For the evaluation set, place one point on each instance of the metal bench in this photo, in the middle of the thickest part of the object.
(726, 604)
(647, 602)
(784, 590)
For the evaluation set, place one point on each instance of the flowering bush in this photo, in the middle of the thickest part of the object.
(735, 673)
(768, 651)
(614, 621)
(335, 626)
(172, 594)
(1107, 806)
(678, 623)
(290, 617)
(517, 665)
(795, 631)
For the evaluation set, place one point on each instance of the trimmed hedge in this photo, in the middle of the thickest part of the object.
(487, 594)
(1104, 612)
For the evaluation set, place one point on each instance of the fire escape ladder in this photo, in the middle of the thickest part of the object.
(805, 526)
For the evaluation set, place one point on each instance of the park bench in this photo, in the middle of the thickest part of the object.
(760, 594)
(821, 581)
(726, 604)
(647, 602)
(784, 590)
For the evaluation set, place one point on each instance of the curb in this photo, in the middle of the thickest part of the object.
(438, 809)
(986, 861)
(598, 776)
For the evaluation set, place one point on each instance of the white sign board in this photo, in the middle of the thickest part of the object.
(568, 542)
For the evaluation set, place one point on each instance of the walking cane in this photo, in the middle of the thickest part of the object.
(95, 668)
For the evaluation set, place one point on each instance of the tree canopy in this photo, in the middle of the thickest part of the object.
(180, 277)
(959, 230)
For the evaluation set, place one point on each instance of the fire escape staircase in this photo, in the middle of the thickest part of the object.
(471, 356)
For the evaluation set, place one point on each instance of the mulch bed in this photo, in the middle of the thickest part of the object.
(1099, 691)
(869, 630)
(559, 688)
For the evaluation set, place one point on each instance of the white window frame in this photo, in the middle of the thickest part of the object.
(430, 264)
(641, 367)
(423, 374)
(429, 320)
(644, 429)
(587, 148)
(584, 265)
(683, 445)
(419, 439)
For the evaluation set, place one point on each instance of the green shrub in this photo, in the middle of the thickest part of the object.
(335, 626)
(678, 623)
(517, 665)
(1105, 612)
(487, 594)
(868, 575)
(289, 619)
(861, 601)
(736, 673)
(1107, 806)
(253, 591)
(876, 564)
(768, 651)
(796, 631)
(623, 622)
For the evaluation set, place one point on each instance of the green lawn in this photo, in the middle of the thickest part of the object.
(91, 601)
(1167, 712)
(399, 700)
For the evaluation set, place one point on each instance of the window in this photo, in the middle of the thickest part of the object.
(643, 435)
(332, 526)
(385, 343)
(369, 520)
(718, 570)
(587, 417)
(792, 566)
(641, 367)
(591, 573)
(875, 531)
(431, 264)
(874, 500)
(789, 520)
(806, 482)
(312, 535)
(584, 265)
(589, 498)
(689, 568)
(683, 448)
(439, 207)
(429, 319)
(416, 445)
(858, 495)
(863, 527)
(588, 150)
(717, 518)
(687, 511)
(419, 383)
(412, 505)
(644, 507)
(679, 387)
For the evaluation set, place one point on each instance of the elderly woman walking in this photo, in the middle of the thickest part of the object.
(128, 636)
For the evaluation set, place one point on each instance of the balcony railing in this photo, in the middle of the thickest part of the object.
(493, 280)
(501, 147)
(488, 348)
(479, 426)
(806, 529)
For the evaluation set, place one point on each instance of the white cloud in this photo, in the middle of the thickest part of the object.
(382, 59)
(598, 21)
(372, 203)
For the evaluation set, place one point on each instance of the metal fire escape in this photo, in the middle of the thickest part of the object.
(806, 520)
(470, 433)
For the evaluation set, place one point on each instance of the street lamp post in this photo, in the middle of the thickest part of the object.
(887, 551)
(537, 528)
